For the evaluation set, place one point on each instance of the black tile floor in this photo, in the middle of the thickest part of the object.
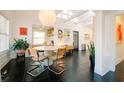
(77, 69)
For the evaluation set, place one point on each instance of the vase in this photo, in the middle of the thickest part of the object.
(21, 51)
(92, 61)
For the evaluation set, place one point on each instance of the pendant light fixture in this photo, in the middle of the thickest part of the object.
(47, 17)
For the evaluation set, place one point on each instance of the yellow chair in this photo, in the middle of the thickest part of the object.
(61, 53)
(69, 49)
(58, 54)
(55, 56)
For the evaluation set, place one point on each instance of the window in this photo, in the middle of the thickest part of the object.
(38, 37)
(65, 14)
(4, 33)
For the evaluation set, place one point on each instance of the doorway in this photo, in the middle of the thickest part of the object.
(76, 40)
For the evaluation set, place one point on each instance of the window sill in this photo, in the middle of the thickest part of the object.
(4, 52)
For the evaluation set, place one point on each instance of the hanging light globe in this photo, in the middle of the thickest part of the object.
(47, 17)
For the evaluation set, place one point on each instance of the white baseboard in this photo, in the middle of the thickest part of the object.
(119, 60)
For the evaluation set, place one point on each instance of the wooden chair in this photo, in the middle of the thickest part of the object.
(69, 49)
(61, 53)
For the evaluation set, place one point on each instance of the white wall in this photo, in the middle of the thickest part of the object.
(25, 19)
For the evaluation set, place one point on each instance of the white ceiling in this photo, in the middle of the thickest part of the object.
(83, 16)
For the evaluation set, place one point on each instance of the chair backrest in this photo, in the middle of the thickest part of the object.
(61, 52)
(57, 54)
(32, 52)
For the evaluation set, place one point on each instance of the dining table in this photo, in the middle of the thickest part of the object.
(46, 50)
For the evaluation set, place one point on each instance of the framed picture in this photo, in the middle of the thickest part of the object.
(60, 33)
(86, 36)
(23, 31)
(119, 33)
(50, 32)
(66, 33)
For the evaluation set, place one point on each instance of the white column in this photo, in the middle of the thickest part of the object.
(110, 40)
(104, 43)
(99, 29)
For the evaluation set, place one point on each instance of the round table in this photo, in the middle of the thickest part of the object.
(46, 50)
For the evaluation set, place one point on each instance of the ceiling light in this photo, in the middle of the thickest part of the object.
(64, 16)
(59, 15)
(69, 16)
(65, 11)
(91, 13)
(47, 17)
(75, 20)
(70, 13)
(41, 29)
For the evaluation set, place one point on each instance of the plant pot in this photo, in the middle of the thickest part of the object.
(92, 61)
(20, 55)
(21, 51)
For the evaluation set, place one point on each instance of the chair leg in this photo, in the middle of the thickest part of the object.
(29, 72)
(55, 72)
(37, 66)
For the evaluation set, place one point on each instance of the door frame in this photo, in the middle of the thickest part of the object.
(77, 40)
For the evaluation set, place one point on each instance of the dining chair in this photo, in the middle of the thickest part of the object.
(37, 59)
(56, 56)
(69, 49)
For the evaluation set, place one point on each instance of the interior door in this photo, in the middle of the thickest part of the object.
(75, 39)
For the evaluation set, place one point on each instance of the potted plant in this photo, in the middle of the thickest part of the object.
(91, 49)
(20, 45)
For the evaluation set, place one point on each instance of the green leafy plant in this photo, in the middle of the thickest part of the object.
(91, 49)
(20, 44)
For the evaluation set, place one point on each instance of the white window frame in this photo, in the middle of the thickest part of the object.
(6, 34)
(34, 37)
